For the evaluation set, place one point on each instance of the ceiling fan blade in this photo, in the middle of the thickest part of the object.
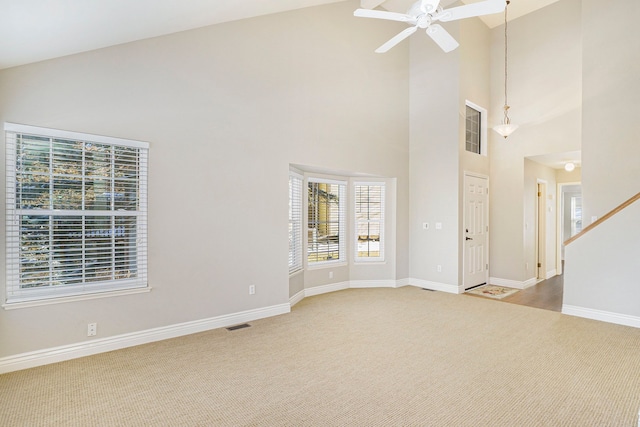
(476, 9)
(396, 39)
(370, 4)
(442, 37)
(381, 14)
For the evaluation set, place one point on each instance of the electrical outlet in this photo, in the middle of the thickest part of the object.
(331, 275)
(92, 329)
(252, 289)
(438, 226)
(439, 269)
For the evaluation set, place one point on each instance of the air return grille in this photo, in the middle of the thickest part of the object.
(236, 327)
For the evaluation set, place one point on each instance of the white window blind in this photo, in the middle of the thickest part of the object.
(295, 222)
(369, 221)
(472, 130)
(326, 221)
(76, 215)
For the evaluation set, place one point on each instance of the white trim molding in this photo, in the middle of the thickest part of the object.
(402, 282)
(516, 284)
(96, 346)
(603, 316)
(299, 296)
(373, 284)
(362, 284)
(88, 348)
(324, 289)
(437, 286)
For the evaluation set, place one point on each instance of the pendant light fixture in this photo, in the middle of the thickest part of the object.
(506, 128)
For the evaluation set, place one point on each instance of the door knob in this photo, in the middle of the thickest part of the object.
(468, 238)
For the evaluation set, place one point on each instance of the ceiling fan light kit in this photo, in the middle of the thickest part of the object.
(424, 14)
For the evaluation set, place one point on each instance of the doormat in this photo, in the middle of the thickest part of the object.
(493, 291)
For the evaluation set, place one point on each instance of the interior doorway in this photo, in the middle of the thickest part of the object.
(541, 231)
(569, 216)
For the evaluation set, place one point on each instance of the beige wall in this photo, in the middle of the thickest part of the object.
(475, 39)
(574, 176)
(601, 273)
(611, 89)
(545, 95)
(601, 278)
(440, 85)
(434, 158)
(225, 109)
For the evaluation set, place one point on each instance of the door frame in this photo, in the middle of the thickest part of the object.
(463, 222)
(541, 229)
(560, 222)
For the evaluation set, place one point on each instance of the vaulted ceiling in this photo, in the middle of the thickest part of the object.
(36, 30)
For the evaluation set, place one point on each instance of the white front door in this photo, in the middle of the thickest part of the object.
(476, 231)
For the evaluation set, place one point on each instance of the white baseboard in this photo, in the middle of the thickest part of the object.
(436, 286)
(362, 284)
(551, 273)
(516, 284)
(373, 284)
(318, 290)
(88, 348)
(402, 282)
(352, 284)
(296, 298)
(101, 345)
(603, 316)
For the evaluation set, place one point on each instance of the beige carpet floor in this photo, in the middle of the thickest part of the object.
(361, 357)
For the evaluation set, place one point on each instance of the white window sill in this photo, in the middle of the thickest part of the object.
(326, 264)
(74, 298)
(366, 262)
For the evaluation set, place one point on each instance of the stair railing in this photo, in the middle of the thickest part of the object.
(603, 218)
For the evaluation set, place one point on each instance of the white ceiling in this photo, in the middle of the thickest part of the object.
(35, 30)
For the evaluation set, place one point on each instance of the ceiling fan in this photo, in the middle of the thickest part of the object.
(423, 14)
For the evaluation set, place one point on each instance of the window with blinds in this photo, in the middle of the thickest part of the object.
(295, 222)
(369, 221)
(472, 130)
(326, 221)
(76, 213)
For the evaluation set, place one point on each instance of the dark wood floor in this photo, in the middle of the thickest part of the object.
(546, 295)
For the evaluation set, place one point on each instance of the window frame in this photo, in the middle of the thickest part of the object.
(342, 213)
(482, 131)
(381, 240)
(133, 252)
(296, 186)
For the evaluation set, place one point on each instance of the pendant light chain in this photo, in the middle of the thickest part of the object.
(506, 104)
(506, 128)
